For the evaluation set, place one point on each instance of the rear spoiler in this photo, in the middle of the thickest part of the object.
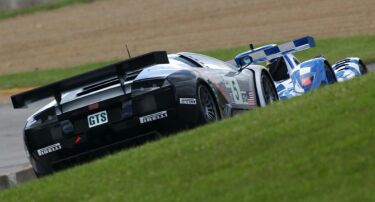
(118, 69)
(269, 52)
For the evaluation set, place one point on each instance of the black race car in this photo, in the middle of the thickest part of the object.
(126, 103)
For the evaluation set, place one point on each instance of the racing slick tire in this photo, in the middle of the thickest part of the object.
(269, 91)
(330, 73)
(362, 67)
(207, 105)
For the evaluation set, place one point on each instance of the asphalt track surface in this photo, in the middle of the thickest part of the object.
(12, 153)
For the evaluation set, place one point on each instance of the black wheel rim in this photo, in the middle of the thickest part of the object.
(207, 104)
(270, 94)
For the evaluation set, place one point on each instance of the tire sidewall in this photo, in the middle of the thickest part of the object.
(202, 117)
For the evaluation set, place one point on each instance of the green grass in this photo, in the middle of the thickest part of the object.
(333, 49)
(317, 147)
(38, 8)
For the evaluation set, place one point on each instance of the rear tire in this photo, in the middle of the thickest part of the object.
(207, 104)
(330, 74)
(269, 91)
(362, 68)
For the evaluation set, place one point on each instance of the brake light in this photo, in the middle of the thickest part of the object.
(77, 139)
(93, 106)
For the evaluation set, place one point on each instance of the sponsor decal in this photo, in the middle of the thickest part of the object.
(49, 149)
(188, 101)
(236, 91)
(153, 117)
(238, 96)
(244, 96)
(97, 119)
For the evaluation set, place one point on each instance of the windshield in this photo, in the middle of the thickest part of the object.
(278, 69)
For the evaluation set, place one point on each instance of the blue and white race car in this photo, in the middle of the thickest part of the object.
(293, 77)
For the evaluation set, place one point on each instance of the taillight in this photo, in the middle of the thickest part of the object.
(77, 139)
(307, 81)
(93, 106)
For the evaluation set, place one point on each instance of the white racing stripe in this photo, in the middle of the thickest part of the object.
(304, 70)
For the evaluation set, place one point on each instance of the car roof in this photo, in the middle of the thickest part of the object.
(207, 61)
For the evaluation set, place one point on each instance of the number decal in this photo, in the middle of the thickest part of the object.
(235, 88)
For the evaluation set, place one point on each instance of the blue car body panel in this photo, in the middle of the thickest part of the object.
(293, 86)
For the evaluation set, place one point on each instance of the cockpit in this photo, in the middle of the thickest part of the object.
(278, 69)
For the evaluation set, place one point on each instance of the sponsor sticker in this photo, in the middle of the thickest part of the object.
(49, 149)
(153, 117)
(188, 101)
(97, 119)
(236, 91)
(238, 96)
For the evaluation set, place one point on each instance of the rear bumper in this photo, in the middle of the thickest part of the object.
(119, 133)
(108, 139)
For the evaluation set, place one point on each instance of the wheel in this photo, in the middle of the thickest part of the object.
(362, 68)
(269, 90)
(330, 74)
(207, 105)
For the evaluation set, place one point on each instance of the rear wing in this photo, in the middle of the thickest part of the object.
(119, 69)
(269, 52)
